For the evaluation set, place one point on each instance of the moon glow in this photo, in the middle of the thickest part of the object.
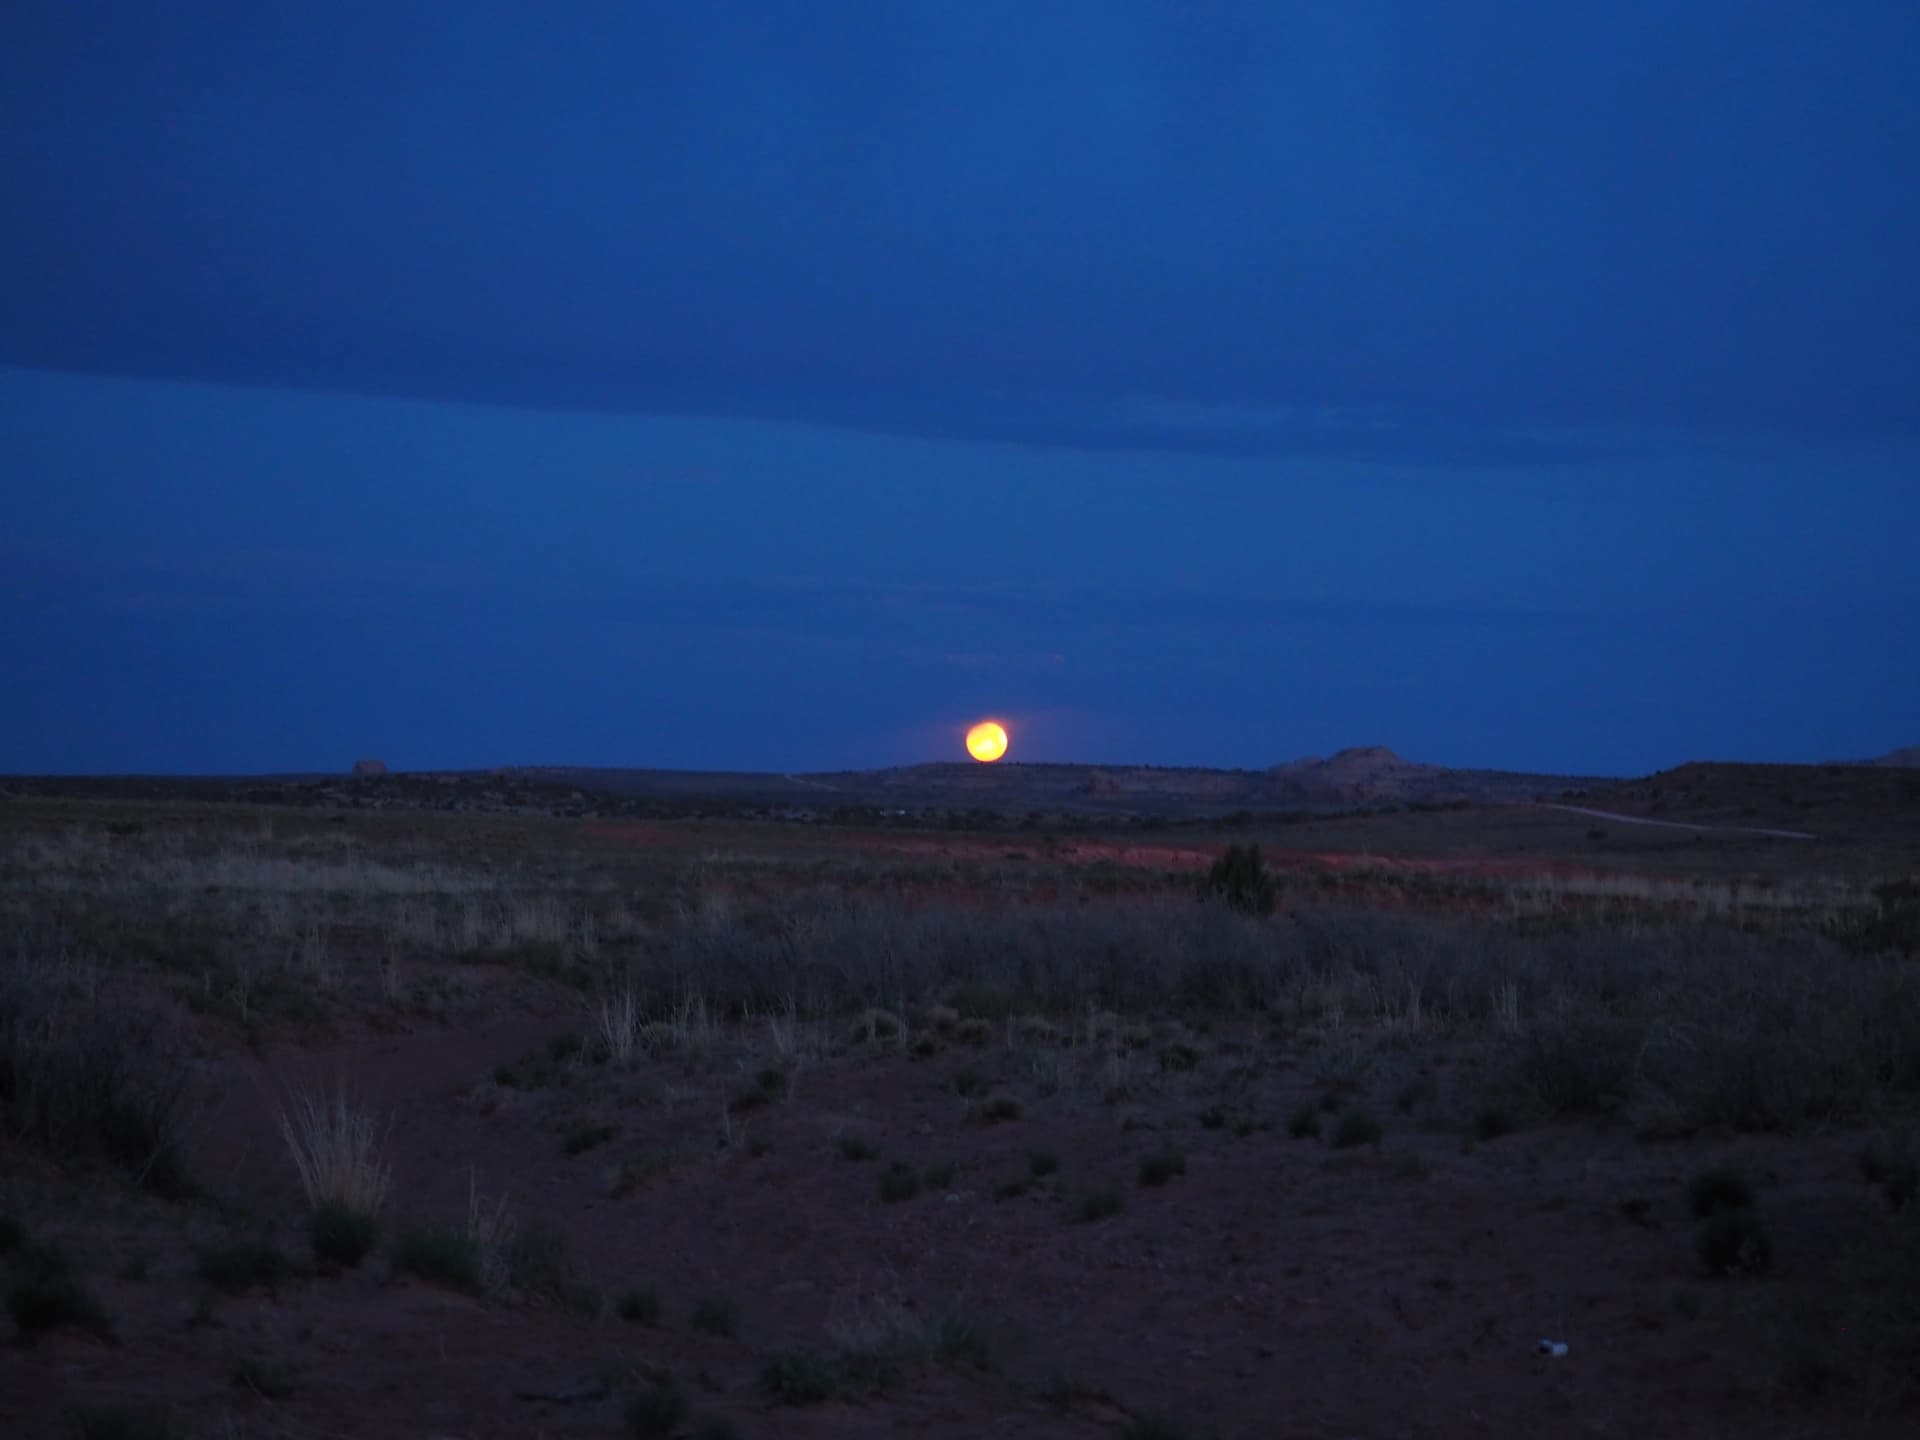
(987, 741)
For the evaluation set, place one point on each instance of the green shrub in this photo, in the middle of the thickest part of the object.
(1159, 1168)
(441, 1256)
(998, 1110)
(1304, 1123)
(800, 1377)
(1734, 1242)
(266, 1378)
(1490, 1122)
(117, 1424)
(540, 1265)
(1894, 1172)
(852, 1147)
(582, 1138)
(717, 1315)
(1413, 1094)
(1901, 1185)
(1041, 1163)
(53, 1300)
(656, 1412)
(1357, 1127)
(40, 1261)
(639, 1307)
(1096, 1205)
(898, 1182)
(1715, 1191)
(747, 1101)
(342, 1235)
(959, 1341)
(1570, 1065)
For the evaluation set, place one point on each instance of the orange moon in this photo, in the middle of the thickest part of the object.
(987, 741)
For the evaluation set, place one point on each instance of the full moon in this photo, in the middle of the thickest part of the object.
(987, 741)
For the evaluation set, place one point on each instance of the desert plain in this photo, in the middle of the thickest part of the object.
(536, 1104)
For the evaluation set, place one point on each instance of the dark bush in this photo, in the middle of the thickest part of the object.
(1715, 1191)
(1159, 1168)
(444, 1256)
(342, 1235)
(540, 1265)
(1490, 1122)
(1734, 1242)
(656, 1412)
(898, 1182)
(1240, 878)
(1357, 1127)
(800, 1377)
(639, 1307)
(52, 1300)
(584, 1137)
(117, 1424)
(717, 1315)
(1569, 1065)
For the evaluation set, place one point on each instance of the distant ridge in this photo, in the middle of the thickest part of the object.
(1905, 758)
(1860, 799)
(1365, 775)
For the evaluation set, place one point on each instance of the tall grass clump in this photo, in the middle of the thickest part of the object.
(84, 1077)
(620, 1024)
(336, 1149)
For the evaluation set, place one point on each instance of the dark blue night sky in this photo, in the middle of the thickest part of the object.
(780, 386)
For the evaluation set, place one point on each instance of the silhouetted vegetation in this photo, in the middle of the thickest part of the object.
(1241, 879)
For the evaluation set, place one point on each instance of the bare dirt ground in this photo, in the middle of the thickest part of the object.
(1299, 1204)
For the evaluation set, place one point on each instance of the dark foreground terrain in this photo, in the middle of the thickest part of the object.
(334, 1120)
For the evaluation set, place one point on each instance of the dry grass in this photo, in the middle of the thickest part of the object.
(1757, 1003)
(619, 1027)
(335, 1146)
(491, 1229)
(82, 1074)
